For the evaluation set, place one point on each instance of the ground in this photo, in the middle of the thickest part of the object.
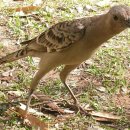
(101, 84)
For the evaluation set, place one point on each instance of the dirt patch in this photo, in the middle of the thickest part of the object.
(122, 101)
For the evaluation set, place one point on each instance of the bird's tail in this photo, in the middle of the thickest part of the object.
(15, 55)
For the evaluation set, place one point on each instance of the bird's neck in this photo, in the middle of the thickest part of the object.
(99, 31)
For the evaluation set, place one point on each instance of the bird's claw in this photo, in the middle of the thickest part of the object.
(80, 110)
(77, 108)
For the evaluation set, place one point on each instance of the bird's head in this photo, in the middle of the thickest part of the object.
(119, 17)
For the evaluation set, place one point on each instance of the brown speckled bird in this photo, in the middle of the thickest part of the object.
(70, 43)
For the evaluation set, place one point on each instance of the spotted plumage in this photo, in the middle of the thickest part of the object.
(62, 35)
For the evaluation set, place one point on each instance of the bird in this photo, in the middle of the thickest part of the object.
(70, 43)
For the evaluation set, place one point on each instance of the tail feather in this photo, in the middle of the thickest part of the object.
(14, 56)
(30, 49)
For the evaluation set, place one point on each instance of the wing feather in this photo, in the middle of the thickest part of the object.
(62, 35)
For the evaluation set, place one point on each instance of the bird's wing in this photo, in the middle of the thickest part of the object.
(62, 35)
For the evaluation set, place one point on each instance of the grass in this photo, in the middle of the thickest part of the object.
(109, 70)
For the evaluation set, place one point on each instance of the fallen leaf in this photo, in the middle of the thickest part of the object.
(30, 110)
(55, 107)
(105, 115)
(15, 93)
(95, 128)
(7, 73)
(33, 121)
(68, 111)
(7, 78)
(101, 119)
(38, 2)
(101, 89)
(25, 10)
(42, 97)
(104, 3)
(48, 102)
(49, 9)
(79, 9)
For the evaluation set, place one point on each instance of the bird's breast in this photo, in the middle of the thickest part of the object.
(76, 54)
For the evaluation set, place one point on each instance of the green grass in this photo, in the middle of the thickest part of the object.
(110, 67)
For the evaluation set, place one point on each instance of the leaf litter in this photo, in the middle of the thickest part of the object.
(57, 111)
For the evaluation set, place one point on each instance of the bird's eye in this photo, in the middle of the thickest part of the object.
(115, 17)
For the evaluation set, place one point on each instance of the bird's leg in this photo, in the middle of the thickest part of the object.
(63, 75)
(28, 102)
(33, 86)
(71, 92)
(41, 72)
(76, 103)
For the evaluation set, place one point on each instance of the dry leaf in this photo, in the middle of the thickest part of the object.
(105, 115)
(101, 89)
(37, 2)
(33, 121)
(68, 111)
(7, 78)
(30, 110)
(104, 3)
(15, 93)
(55, 107)
(79, 9)
(26, 9)
(47, 101)
(95, 128)
(101, 119)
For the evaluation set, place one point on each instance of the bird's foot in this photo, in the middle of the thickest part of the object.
(76, 107)
(79, 109)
